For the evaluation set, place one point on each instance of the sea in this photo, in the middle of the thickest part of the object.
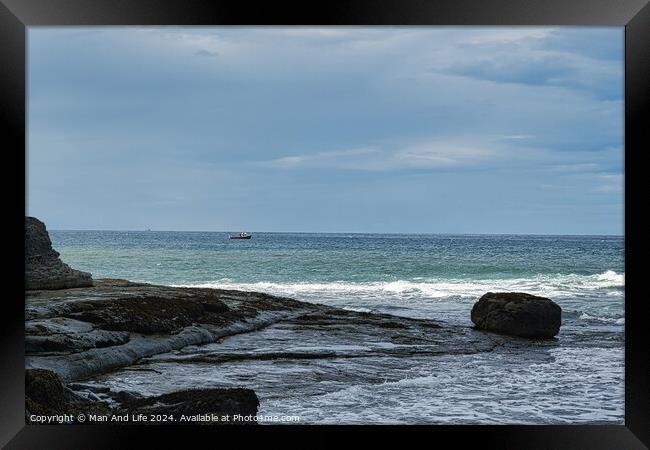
(578, 379)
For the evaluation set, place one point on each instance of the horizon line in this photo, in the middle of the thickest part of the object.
(340, 232)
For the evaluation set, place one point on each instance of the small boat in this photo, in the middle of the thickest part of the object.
(240, 236)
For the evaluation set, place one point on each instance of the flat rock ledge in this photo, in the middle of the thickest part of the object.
(43, 268)
(78, 334)
(517, 314)
(82, 332)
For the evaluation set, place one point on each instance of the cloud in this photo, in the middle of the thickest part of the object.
(502, 152)
(506, 35)
(577, 167)
(336, 158)
(516, 137)
(440, 154)
(432, 154)
(611, 184)
(539, 57)
(539, 69)
(203, 52)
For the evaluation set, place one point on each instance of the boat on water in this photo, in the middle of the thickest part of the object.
(240, 236)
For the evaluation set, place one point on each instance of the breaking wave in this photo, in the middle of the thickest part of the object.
(552, 286)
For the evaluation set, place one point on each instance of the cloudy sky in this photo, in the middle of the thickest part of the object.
(384, 129)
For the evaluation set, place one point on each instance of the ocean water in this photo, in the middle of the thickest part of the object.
(578, 379)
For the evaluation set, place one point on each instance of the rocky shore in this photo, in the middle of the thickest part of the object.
(81, 332)
(74, 334)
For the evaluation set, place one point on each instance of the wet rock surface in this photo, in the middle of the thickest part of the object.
(517, 314)
(79, 332)
(117, 330)
(43, 268)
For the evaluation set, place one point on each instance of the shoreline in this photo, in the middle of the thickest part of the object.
(84, 332)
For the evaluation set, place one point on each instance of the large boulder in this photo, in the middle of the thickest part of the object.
(517, 314)
(43, 268)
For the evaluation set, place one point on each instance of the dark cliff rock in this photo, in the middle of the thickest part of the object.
(43, 268)
(517, 314)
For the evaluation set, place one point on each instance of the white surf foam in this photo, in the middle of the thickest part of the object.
(350, 308)
(611, 278)
(552, 286)
(614, 320)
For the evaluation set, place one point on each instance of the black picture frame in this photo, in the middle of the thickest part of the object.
(16, 15)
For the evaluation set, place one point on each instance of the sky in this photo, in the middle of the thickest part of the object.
(331, 129)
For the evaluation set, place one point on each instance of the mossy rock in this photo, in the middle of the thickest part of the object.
(217, 401)
(150, 314)
(44, 393)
